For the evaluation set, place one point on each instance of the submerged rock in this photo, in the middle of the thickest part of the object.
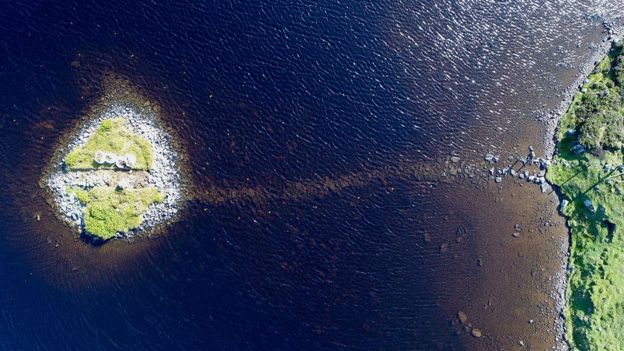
(491, 158)
(463, 318)
(578, 149)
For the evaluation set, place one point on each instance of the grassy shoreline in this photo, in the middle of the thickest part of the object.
(587, 172)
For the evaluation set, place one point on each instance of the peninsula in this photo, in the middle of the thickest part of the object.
(588, 173)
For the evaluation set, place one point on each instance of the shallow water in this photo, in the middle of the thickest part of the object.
(317, 135)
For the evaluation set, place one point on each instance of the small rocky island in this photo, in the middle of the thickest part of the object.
(118, 175)
(588, 172)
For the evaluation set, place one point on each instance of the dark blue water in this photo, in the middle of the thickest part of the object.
(265, 95)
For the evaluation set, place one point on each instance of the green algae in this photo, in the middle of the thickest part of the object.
(592, 186)
(110, 210)
(113, 136)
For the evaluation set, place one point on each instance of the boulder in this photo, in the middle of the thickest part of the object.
(577, 149)
(130, 160)
(109, 158)
(120, 163)
(124, 183)
(99, 157)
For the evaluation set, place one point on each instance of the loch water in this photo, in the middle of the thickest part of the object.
(317, 134)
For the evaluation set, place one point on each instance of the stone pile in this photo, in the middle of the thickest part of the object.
(531, 169)
(109, 158)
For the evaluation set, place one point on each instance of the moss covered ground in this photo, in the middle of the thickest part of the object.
(110, 210)
(116, 208)
(113, 136)
(587, 170)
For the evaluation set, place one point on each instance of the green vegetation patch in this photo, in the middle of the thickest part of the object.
(110, 210)
(112, 136)
(588, 170)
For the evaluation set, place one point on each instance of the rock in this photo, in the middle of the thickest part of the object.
(544, 187)
(455, 159)
(107, 179)
(589, 204)
(130, 160)
(498, 179)
(124, 183)
(521, 175)
(462, 317)
(564, 203)
(476, 332)
(489, 157)
(515, 234)
(512, 172)
(99, 157)
(492, 170)
(120, 163)
(577, 149)
(109, 158)
(444, 247)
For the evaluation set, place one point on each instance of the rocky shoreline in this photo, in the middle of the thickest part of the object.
(574, 175)
(613, 34)
(164, 173)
